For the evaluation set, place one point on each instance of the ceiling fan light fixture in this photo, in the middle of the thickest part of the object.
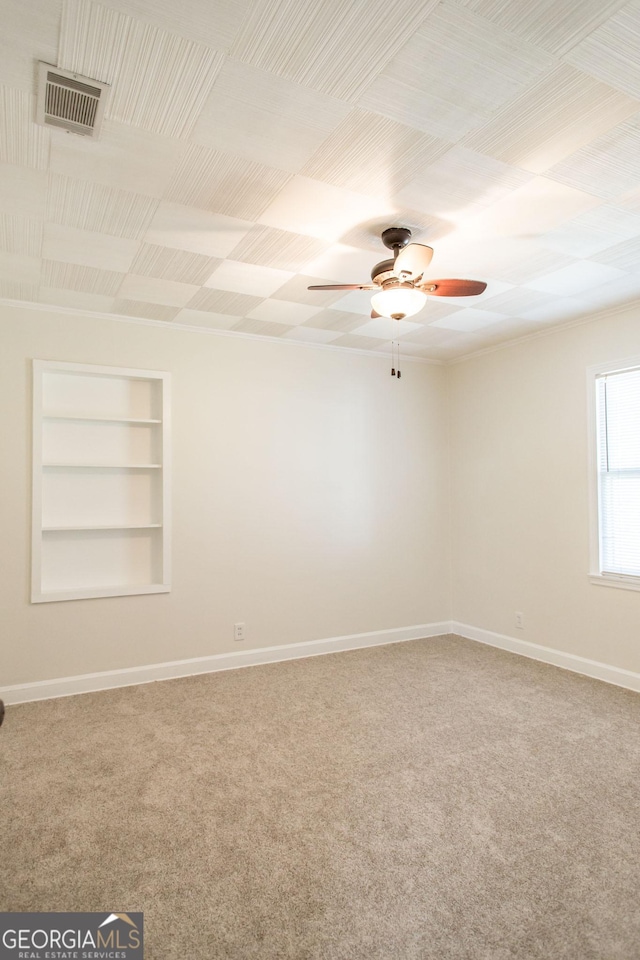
(398, 302)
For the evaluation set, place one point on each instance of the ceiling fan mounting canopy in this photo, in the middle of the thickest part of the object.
(394, 237)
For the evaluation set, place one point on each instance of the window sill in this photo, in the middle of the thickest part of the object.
(613, 580)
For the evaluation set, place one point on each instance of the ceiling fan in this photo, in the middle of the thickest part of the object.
(402, 287)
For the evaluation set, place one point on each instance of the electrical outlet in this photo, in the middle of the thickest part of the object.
(520, 621)
(238, 631)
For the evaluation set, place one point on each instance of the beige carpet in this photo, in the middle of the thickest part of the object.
(435, 799)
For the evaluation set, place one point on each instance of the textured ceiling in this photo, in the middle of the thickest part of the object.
(252, 148)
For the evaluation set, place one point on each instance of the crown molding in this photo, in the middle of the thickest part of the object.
(605, 314)
(190, 328)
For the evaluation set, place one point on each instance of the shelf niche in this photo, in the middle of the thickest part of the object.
(101, 481)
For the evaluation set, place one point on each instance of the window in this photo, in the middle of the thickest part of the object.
(616, 542)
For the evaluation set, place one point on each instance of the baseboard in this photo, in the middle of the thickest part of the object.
(558, 658)
(92, 682)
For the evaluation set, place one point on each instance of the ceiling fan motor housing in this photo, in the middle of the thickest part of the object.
(396, 237)
(382, 271)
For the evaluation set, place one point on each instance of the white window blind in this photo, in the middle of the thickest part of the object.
(618, 408)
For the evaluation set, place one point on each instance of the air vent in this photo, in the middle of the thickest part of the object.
(69, 101)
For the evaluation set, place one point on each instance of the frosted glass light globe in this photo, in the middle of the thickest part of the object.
(398, 302)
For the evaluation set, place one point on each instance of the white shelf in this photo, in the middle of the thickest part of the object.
(104, 526)
(90, 419)
(108, 466)
(101, 475)
(92, 593)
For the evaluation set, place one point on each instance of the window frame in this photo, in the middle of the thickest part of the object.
(596, 575)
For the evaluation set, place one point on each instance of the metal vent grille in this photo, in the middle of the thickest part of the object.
(70, 102)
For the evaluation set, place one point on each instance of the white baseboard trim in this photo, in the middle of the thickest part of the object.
(558, 658)
(92, 682)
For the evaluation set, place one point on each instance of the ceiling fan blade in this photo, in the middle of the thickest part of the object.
(375, 315)
(413, 261)
(343, 286)
(453, 288)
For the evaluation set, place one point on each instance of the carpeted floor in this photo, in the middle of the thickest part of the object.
(436, 799)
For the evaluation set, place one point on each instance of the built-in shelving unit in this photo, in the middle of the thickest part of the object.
(101, 481)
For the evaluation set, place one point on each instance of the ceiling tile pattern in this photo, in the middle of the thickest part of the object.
(260, 116)
(20, 268)
(248, 278)
(283, 311)
(335, 47)
(340, 321)
(368, 152)
(68, 276)
(553, 25)
(517, 300)
(198, 231)
(459, 69)
(224, 184)
(554, 117)
(205, 318)
(463, 182)
(93, 206)
(214, 24)
(23, 190)
(630, 201)
(17, 290)
(612, 52)
(608, 166)
(250, 150)
(167, 264)
(159, 80)
(92, 40)
(21, 235)
(625, 255)
(29, 32)
(151, 289)
(527, 263)
(576, 279)
(77, 300)
(594, 231)
(22, 142)
(224, 302)
(261, 327)
(121, 162)
(88, 249)
(270, 247)
(145, 310)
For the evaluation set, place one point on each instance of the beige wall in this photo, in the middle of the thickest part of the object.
(520, 513)
(310, 498)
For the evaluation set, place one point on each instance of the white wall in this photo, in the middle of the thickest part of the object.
(310, 498)
(520, 514)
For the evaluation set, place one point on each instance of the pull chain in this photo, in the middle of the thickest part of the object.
(395, 356)
(395, 359)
